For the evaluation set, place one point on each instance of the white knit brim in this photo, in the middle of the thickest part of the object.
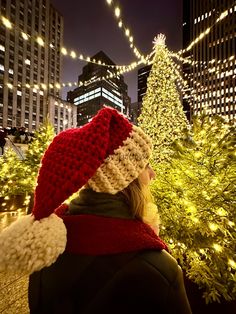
(124, 165)
(29, 245)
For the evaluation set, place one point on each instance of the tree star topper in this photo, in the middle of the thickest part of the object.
(159, 40)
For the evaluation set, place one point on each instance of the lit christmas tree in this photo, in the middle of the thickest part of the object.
(18, 177)
(162, 115)
(195, 192)
(14, 175)
(42, 138)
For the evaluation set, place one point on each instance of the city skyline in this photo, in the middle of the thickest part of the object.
(89, 28)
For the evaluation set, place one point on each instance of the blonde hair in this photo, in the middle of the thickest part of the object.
(141, 202)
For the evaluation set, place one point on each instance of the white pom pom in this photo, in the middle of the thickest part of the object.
(29, 245)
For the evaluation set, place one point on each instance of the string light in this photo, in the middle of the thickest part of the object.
(40, 41)
(128, 35)
(36, 87)
(64, 50)
(207, 31)
(6, 22)
(217, 247)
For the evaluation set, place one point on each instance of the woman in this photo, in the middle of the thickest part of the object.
(100, 254)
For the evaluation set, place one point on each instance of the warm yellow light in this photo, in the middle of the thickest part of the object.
(127, 31)
(9, 85)
(69, 84)
(6, 22)
(131, 39)
(213, 226)
(217, 247)
(25, 36)
(40, 41)
(44, 86)
(51, 85)
(27, 85)
(120, 24)
(64, 51)
(88, 59)
(232, 263)
(117, 11)
(73, 54)
(109, 1)
(57, 85)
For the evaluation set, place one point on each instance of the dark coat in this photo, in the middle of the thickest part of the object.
(147, 281)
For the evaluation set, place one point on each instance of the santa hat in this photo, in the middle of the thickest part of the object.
(108, 153)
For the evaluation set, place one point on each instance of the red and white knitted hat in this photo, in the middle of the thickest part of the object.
(108, 153)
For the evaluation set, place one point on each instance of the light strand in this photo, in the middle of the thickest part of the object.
(203, 34)
(127, 32)
(65, 51)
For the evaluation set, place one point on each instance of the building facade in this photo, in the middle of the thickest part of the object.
(100, 86)
(212, 78)
(30, 61)
(143, 74)
(62, 114)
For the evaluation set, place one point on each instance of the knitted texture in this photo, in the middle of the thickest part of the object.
(28, 245)
(125, 165)
(97, 235)
(74, 156)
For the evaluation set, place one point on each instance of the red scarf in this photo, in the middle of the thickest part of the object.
(99, 235)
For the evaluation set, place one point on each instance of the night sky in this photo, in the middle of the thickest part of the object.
(90, 26)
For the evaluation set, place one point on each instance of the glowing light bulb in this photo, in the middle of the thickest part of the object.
(117, 11)
(25, 36)
(217, 247)
(73, 54)
(64, 51)
(213, 226)
(40, 41)
(232, 263)
(6, 22)
(127, 31)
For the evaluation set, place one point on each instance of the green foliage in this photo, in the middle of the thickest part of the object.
(162, 116)
(18, 177)
(195, 193)
(14, 175)
(43, 137)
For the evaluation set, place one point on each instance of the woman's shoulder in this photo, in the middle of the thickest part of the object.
(161, 262)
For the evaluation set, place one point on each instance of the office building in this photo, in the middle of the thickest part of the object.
(99, 85)
(30, 61)
(62, 114)
(211, 79)
(143, 74)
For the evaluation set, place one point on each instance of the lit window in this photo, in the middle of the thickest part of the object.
(19, 93)
(2, 67)
(2, 48)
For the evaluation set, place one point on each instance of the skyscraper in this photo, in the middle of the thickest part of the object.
(143, 74)
(212, 75)
(30, 60)
(100, 86)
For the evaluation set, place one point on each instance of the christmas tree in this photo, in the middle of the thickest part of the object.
(195, 192)
(14, 175)
(18, 176)
(42, 138)
(162, 115)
